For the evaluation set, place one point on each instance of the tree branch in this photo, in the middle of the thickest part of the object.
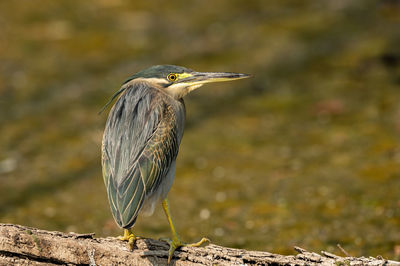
(20, 245)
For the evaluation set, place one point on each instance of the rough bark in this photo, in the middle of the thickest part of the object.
(20, 245)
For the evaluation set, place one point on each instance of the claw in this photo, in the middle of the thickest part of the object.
(201, 242)
(128, 236)
(177, 243)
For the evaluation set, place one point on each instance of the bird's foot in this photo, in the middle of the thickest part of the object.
(130, 237)
(177, 243)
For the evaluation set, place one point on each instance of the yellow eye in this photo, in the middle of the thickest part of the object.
(172, 77)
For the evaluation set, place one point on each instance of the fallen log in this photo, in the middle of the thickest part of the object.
(21, 245)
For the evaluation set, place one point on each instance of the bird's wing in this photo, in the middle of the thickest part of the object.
(140, 142)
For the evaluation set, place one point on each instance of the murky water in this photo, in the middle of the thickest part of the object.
(305, 153)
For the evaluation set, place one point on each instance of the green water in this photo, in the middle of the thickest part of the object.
(305, 153)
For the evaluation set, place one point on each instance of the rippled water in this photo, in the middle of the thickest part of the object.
(305, 153)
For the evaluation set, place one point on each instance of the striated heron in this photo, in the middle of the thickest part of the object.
(141, 142)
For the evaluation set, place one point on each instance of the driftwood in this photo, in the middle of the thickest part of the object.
(20, 245)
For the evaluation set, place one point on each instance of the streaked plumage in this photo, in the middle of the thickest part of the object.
(140, 146)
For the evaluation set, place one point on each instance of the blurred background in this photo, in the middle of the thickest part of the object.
(305, 153)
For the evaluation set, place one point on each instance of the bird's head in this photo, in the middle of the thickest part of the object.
(178, 81)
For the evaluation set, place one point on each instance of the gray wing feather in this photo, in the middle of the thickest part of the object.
(141, 139)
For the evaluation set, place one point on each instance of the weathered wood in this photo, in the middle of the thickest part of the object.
(21, 245)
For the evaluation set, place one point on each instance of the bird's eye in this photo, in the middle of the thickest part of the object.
(172, 77)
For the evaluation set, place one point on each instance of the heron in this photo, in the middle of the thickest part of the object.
(141, 142)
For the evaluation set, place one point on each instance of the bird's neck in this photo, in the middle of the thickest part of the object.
(180, 90)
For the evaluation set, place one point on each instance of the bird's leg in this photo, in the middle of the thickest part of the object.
(176, 240)
(128, 236)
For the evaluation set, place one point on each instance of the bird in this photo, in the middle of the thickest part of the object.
(141, 143)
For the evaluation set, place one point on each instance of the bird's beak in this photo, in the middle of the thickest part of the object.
(199, 78)
(190, 81)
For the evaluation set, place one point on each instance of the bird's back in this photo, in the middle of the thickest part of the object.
(141, 141)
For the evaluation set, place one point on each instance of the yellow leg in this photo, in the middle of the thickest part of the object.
(128, 236)
(176, 240)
